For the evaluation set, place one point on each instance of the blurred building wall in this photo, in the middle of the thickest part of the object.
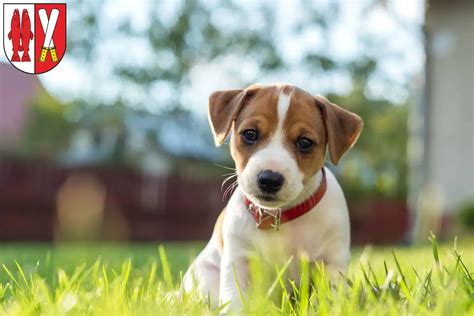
(445, 164)
(16, 89)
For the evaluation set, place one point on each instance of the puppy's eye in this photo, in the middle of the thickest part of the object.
(304, 144)
(250, 136)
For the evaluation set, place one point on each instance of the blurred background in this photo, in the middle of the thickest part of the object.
(114, 144)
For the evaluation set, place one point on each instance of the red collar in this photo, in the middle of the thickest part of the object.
(269, 219)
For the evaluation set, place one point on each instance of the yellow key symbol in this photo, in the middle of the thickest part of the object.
(54, 57)
(44, 51)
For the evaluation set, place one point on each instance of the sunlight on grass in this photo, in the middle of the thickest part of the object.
(145, 279)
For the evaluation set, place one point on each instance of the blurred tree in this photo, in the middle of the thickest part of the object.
(377, 165)
(47, 133)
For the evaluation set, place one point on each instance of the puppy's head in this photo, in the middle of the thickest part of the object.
(279, 138)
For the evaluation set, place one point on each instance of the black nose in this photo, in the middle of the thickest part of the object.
(269, 181)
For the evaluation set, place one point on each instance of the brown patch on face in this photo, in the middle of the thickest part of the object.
(259, 114)
(304, 119)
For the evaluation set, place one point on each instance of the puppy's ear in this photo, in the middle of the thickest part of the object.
(224, 106)
(343, 128)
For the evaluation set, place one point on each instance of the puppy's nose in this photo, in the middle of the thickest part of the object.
(269, 181)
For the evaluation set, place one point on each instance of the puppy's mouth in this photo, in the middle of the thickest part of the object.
(267, 198)
(267, 201)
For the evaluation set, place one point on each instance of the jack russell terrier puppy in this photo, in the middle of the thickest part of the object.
(285, 195)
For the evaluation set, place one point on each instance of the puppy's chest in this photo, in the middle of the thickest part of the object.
(292, 239)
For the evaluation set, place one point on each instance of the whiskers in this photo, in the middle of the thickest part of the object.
(228, 191)
(232, 186)
(229, 177)
(225, 167)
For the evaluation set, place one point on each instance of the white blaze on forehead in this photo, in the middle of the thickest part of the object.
(283, 105)
(282, 108)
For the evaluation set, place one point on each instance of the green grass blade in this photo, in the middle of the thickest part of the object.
(165, 268)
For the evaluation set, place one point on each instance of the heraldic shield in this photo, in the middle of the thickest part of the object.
(34, 35)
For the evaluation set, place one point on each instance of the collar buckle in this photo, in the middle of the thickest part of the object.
(261, 215)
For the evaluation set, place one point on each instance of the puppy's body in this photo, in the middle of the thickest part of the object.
(279, 140)
(321, 234)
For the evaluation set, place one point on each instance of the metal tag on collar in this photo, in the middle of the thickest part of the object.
(251, 208)
(276, 220)
(261, 216)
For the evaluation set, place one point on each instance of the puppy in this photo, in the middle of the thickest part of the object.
(285, 198)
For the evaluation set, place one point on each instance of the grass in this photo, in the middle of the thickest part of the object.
(143, 279)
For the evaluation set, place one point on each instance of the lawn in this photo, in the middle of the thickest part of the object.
(143, 279)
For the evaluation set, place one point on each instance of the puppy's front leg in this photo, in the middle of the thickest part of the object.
(234, 277)
(337, 261)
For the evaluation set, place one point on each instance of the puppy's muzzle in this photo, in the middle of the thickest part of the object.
(270, 182)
